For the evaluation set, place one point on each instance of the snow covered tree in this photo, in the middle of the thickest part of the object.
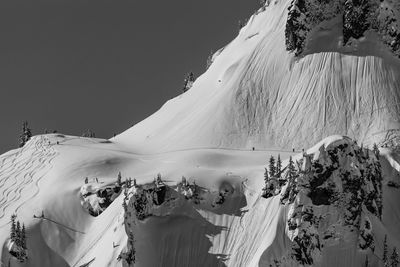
(355, 19)
(130, 255)
(272, 170)
(18, 234)
(209, 60)
(89, 133)
(124, 205)
(119, 179)
(13, 233)
(279, 166)
(25, 135)
(240, 25)
(266, 177)
(188, 82)
(291, 169)
(394, 258)
(376, 151)
(266, 192)
(296, 27)
(159, 180)
(291, 190)
(23, 237)
(385, 252)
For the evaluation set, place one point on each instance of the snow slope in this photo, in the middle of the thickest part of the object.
(255, 94)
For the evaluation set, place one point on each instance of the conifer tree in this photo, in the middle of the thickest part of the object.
(394, 258)
(25, 135)
(188, 82)
(13, 233)
(18, 234)
(376, 151)
(385, 252)
(23, 237)
(266, 178)
(159, 181)
(124, 205)
(272, 170)
(119, 179)
(279, 166)
(291, 169)
(132, 256)
(366, 264)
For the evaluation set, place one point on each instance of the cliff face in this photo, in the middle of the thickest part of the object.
(298, 72)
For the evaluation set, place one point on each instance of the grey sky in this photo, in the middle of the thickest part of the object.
(104, 65)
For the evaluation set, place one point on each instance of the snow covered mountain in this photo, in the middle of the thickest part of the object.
(256, 93)
(299, 72)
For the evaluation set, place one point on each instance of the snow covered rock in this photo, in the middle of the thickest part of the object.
(96, 198)
(334, 198)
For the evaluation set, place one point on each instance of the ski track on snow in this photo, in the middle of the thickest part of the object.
(20, 170)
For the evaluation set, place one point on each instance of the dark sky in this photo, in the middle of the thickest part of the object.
(73, 65)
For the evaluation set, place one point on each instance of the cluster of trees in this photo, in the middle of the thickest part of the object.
(190, 191)
(388, 260)
(130, 255)
(25, 135)
(296, 27)
(89, 133)
(18, 237)
(188, 82)
(209, 60)
(356, 18)
(147, 196)
(273, 177)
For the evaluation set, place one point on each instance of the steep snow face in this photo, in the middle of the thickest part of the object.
(257, 94)
(333, 201)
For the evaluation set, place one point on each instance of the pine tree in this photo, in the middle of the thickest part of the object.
(159, 180)
(394, 258)
(376, 151)
(366, 264)
(124, 205)
(292, 174)
(23, 237)
(279, 166)
(291, 169)
(119, 179)
(188, 82)
(385, 252)
(18, 235)
(25, 135)
(13, 233)
(209, 60)
(272, 170)
(266, 181)
(266, 178)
